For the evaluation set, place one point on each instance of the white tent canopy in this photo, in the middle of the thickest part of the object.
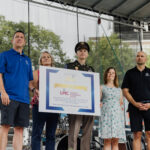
(136, 10)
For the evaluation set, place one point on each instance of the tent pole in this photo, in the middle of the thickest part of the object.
(77, 25)
(28, 28)
(141, 38)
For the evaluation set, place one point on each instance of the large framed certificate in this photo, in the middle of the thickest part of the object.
(69, 91)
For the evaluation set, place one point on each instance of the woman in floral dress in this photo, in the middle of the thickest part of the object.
(112, 122)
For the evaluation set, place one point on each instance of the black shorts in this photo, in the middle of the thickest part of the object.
(15, 114)
(137, 117)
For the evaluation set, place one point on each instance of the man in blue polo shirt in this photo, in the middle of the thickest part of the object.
(136, 88)
(15, 74)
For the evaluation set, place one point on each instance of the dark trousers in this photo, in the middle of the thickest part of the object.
(39, 119)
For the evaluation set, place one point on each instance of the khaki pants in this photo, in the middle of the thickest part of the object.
(75, 122)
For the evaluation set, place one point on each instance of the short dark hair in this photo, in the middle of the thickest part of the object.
(20, 32)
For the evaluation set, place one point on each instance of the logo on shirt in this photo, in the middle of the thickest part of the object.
(27, 62)
(147, 74)
(90, 70)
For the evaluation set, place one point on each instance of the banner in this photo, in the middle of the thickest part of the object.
(69, 91)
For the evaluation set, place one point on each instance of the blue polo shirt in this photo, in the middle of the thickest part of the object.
(17, 72)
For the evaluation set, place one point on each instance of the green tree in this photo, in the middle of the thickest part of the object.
(102, 56)
(148, 61)
(40, 39)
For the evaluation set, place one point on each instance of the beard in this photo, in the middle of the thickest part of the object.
(140, 63)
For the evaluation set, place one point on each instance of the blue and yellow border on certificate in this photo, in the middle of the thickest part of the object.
(48, 107)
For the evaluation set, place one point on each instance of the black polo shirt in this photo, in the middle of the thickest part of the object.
(138, 83)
